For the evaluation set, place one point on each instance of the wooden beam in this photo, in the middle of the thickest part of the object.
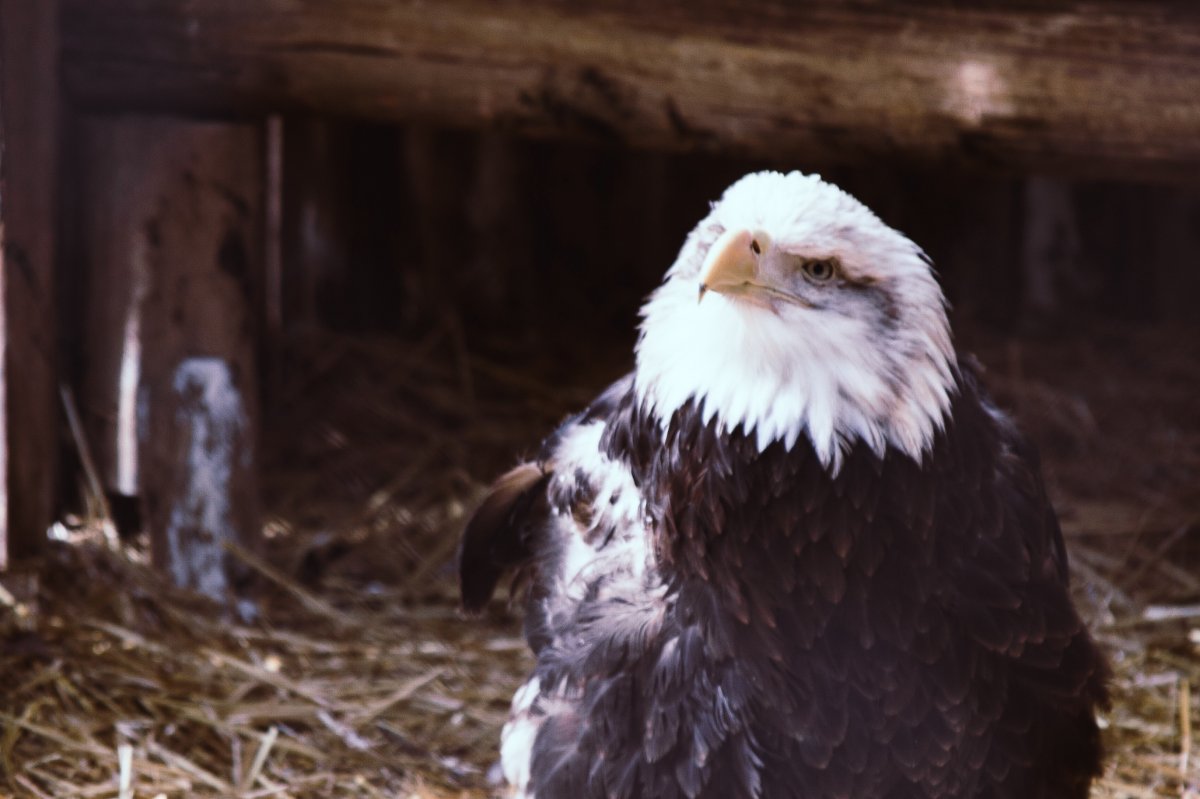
(29, 135)
(1104, 87)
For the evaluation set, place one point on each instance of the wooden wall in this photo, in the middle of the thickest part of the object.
(534, 167)
(29, 405)
(507, 231)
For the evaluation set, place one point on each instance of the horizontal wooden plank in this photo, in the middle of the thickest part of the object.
(1103, 88)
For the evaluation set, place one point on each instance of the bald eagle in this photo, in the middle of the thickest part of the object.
(797, 552)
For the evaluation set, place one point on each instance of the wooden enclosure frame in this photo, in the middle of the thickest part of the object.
(1106, 88)
(28, 216)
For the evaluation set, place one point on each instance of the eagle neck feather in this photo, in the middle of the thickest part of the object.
(728, 518)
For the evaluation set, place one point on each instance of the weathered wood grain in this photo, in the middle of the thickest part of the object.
(174, 226)
(28, 391)
(116, 272)
(1102, 87)
(5, 534)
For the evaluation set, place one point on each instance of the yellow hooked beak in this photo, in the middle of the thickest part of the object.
(731, 266)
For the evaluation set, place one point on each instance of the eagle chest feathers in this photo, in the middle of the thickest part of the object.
(869, 599)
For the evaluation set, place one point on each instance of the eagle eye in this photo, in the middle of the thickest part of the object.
(820, 271)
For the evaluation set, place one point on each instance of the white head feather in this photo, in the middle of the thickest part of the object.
(868, 357)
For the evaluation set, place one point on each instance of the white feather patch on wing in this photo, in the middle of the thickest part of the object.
(600, 583)
(517, 737)
(615, 537)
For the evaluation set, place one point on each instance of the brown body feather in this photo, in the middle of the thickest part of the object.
(897, 630)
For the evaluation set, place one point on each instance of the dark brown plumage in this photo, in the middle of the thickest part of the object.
(714, 617)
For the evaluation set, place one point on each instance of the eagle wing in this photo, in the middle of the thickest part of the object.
(499, 538)
(614, 667)
(947, 647)
(1020, 644)
(510, 530)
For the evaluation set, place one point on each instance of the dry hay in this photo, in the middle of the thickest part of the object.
(353, 674)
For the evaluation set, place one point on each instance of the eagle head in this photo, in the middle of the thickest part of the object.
(793, 310)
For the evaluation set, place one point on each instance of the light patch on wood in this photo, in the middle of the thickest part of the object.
(130, 375)
(211, 412)
(977, 91)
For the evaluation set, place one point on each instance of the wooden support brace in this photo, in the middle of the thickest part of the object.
(29, 414)
(174, 216)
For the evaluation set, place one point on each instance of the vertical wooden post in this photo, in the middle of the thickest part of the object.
(116, 271)
(313, 232)
(272, 283)
(203, 244)
(5, 534)
(29, 406)
(1050, 243)
(174, 218)
(1176, 240)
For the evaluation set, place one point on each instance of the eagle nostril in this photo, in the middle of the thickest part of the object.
(755, 247)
